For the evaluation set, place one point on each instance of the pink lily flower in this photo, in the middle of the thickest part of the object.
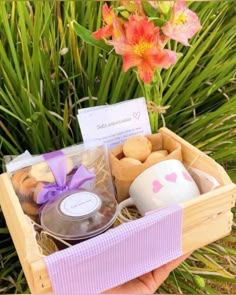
(183, 25)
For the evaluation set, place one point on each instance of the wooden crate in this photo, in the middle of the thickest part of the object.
(205, 219)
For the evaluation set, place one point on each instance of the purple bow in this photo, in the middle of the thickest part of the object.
(57, 163)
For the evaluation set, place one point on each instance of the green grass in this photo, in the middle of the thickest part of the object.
(45, 72)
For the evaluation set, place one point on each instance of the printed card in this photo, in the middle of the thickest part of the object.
(113, 124)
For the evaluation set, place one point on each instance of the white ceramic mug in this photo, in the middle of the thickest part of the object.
(165, 183)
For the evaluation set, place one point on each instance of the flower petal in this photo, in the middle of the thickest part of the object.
(107, 14)
(130, 60)
(161, 58)
(119, 46)
(146, 72)
(179, 5)
(118, 30)
(103, 32)
(139, 27)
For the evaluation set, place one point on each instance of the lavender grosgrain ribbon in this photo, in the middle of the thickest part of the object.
(57, 163)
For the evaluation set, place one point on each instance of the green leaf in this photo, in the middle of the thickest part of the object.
(87, 37)
(12, 114)
(159, 22)
(149, 10)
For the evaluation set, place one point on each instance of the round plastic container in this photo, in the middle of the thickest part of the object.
(79, 214)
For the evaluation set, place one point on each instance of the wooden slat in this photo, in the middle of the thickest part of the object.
(21, 230)
(41, 279)
(207, 206)
(207, 232)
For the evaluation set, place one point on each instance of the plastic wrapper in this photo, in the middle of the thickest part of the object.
(68, 192)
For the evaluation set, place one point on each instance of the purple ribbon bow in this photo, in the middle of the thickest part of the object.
(57, 163)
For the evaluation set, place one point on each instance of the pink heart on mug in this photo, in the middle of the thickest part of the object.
(186, 176)
(171, 177)
(157, 186)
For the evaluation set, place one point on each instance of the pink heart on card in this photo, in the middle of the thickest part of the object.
(186, 176)
(157, 186)
(136, 115)
(171, 177)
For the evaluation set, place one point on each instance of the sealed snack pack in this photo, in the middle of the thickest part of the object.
(68, 192)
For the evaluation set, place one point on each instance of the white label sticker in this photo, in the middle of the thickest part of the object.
(80, 204)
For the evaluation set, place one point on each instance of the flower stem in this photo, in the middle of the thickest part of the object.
(150, 93)
(153, 92)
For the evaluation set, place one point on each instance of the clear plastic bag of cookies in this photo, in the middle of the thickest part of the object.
(68, 192)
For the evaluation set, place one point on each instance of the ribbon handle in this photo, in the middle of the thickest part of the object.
(57, 161)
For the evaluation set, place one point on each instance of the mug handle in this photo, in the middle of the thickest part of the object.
(126, 203)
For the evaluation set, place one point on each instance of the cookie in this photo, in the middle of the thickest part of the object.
(30, 208)
(157, 156)
(18, 178)
(137, 147)
(130, 161)
(27, 187)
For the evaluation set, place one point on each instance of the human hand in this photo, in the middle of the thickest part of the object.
(149, 282)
